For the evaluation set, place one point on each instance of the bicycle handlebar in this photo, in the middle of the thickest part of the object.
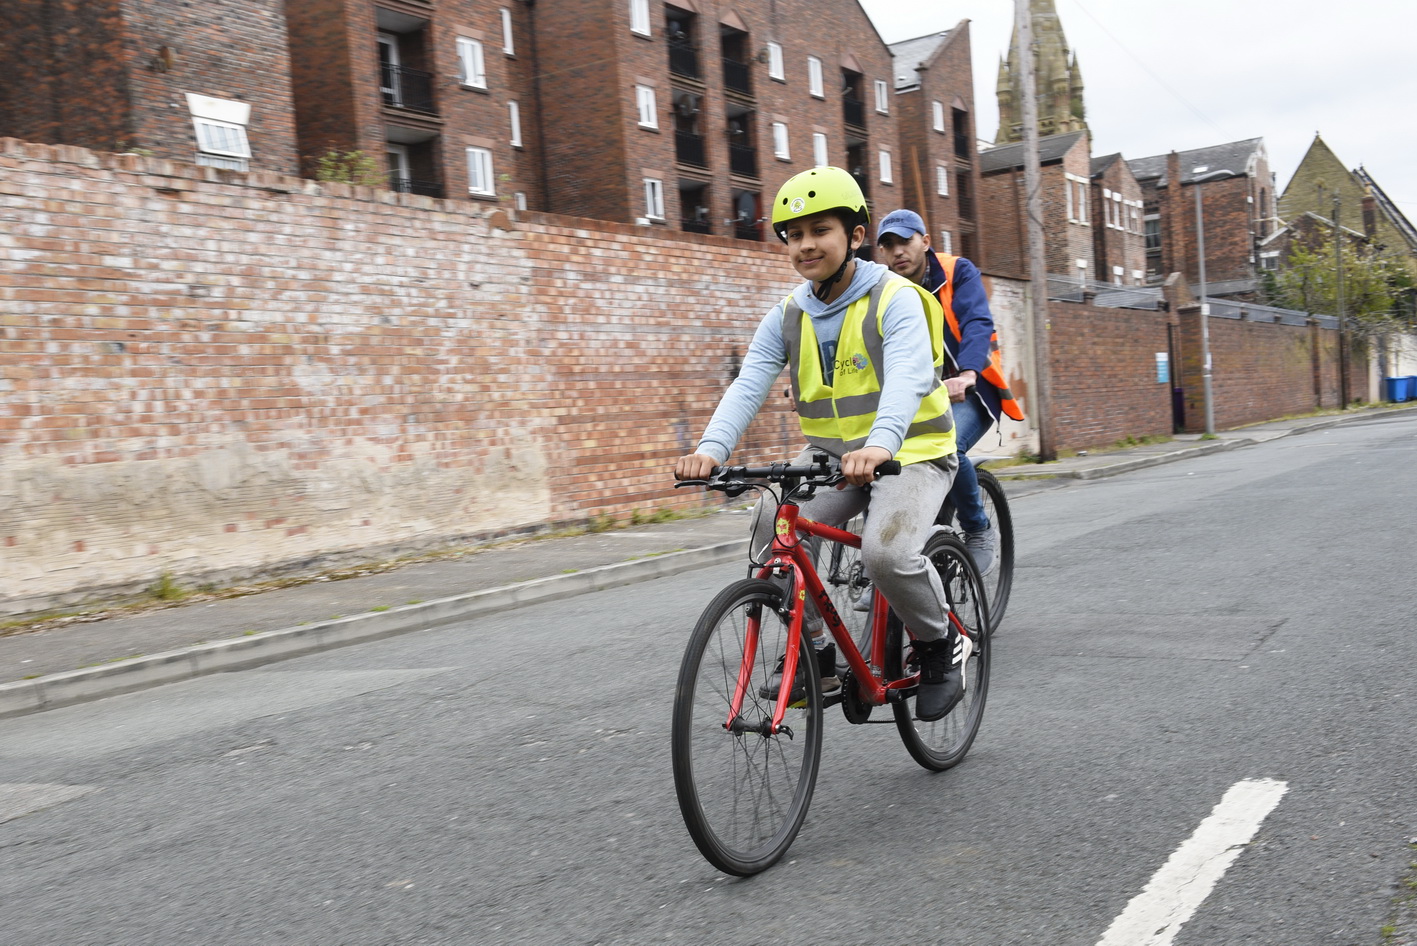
(733, 479)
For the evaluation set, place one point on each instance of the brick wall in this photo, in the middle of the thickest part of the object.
(216, 374)
(1104, 383)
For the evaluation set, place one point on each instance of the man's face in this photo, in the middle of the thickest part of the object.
(817, 245)
(904, 256)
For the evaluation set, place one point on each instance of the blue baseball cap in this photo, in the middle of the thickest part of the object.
(903, 223)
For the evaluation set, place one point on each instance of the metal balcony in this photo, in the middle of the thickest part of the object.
(748, 231)
(683, 59)
(853, 111)
(407, 185)
(689, 149)
(737, 77)
(696, 226)
(743, 160)
(407, 88)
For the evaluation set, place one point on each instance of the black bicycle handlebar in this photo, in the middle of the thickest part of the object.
(823, 472)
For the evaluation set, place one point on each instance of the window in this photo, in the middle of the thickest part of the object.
(885, 157)
(639, 17)
(1076, 189)
(220, 125)
(474, 68)
(946, 244)
(942, 180)
(938, 111)
(1118, 274)
(519, 200)
(775, 70)
(479, 172)
(514, 114)
(819, 149)
(507, 46)
(814, 77)
(654, 198)
(644, 101)
(883, 97)
(779, 141)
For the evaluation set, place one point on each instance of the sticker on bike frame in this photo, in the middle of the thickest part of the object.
(782, 527)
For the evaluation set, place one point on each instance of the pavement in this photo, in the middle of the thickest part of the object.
(122, 651)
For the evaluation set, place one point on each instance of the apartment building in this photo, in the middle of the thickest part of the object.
(207, 83)
(1065, 180)
(934, 89)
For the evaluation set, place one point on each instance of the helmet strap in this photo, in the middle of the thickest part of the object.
(822, 291)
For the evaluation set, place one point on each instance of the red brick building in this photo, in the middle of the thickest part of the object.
(207, 82)
(682, 115)
(1065, 174)
(1117, 233)
(1237, 200)
(934, 89)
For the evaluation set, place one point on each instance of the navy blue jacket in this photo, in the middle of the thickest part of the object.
(976, 324)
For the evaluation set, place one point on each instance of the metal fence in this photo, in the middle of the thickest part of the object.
(1249, 311)
(1105, 294)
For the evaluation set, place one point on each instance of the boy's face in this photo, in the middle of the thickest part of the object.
(817, 245)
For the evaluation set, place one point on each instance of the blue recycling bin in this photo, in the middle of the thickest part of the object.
(1395, 389)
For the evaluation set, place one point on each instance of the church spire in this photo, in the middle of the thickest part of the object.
(1058, 81)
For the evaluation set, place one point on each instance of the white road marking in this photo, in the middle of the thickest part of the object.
(17, 799)
(1154, 916)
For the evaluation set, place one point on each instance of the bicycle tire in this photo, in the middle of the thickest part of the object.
(999, 582)
(941, 744)
(743, 795)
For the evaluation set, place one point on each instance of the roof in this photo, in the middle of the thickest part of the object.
(910, 53)
(1050, 148)
(1234, 156)
(1388, 208)
(1103, 163)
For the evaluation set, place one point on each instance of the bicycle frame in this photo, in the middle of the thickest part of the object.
(785, 555)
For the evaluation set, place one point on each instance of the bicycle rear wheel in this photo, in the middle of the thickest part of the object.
(942, 743)
(1000, 579)
(743, 794)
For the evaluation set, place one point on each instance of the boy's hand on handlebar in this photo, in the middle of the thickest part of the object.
(859, 466)
(695, 466)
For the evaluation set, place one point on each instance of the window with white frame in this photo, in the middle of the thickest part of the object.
(775, 67)
(942, 180)
(639, 17)
(645, 103)
(472, 63)
(220, 126)
(1076, 188)
(514, 115)
(508, 46)
(946, 243)
(937, 110)
(885, 159)
(1135, 218)
(814, 77)
(479, 172)
(779, 141)
(654, 198)
(1118, 274)
(819, 149)
(883, 97)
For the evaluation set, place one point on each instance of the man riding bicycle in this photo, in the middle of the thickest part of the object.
(857, 341)
(972, 360)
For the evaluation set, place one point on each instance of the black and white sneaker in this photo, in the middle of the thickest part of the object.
(826, 669)
(942, 681)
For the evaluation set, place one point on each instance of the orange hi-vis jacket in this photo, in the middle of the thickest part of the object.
(994, 371)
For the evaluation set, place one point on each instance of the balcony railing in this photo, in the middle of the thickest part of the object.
(407, 88)
(696, 226)
(407, 185)
(853, 111)
(743, 160)
(689, 149)
(748, 231)
(964, 202)
(962, 149)
(736, 76)
(683, 59)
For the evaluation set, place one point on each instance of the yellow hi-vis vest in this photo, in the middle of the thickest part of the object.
(838, 417)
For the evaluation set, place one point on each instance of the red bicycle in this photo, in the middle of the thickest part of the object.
(745, 753)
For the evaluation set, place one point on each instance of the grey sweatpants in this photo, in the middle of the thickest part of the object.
(902, 516)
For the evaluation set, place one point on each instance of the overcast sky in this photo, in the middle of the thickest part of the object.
(1163, 75)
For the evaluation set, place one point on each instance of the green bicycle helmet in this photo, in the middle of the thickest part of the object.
(814, 191)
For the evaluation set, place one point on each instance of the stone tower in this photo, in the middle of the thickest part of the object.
(1057, 79)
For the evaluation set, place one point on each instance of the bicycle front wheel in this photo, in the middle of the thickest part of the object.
(942, 743)
(743, 794)
(1000, 579)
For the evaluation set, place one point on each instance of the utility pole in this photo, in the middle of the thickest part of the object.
(1041, 407)
(1205, 312)
(1342, 322)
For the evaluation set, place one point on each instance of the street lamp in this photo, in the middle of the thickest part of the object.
(1203, 173)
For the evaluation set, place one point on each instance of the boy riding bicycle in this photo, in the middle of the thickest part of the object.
(857, 341)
